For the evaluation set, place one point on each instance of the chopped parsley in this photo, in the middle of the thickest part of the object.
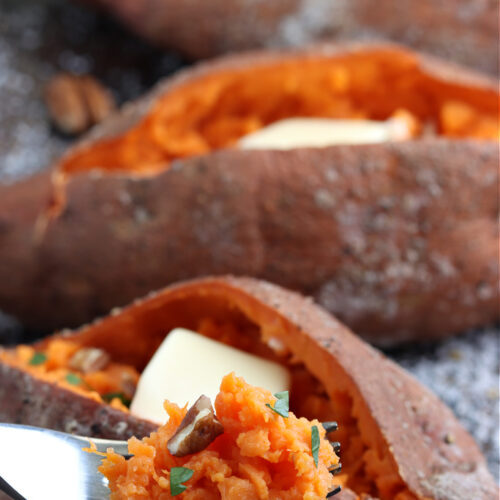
(73, 379)
(315, 444)
(179, 475)
(281, 406)
(109, 396)
(38, 359)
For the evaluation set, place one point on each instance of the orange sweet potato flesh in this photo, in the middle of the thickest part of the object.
(215, 110)
(465, 31)
(395, 435)
(259, 455)
(399, 240)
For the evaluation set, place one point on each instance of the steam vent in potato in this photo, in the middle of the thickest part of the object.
(382, 202)
(463, 30)
(395, 439)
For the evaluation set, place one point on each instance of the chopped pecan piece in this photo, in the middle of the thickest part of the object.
(128, 384)
(197, 430)
(89, 359)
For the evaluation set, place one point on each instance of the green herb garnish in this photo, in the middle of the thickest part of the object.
(73, 379)
(38, 359)
(281, 405)
(108, 397)
(315, 444)
(179, 475)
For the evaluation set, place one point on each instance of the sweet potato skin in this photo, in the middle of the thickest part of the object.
(42, 404)
(398, 240)
(456, 29)
(413, 423)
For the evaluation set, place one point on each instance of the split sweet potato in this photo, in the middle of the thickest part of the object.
(464, 30)
(398, 239)
(398, 441)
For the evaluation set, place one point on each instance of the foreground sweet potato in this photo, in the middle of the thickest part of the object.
(398, 441)
(463, 30)
(398, 239)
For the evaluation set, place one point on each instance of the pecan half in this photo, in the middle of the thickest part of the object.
(75, 103)
(100, 102)
(196, 431)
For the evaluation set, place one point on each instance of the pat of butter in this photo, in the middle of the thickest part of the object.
(187, 365)
(322, 132)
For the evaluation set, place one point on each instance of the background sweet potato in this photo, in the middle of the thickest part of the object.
(463, 30)
(400, 436)
(399, 240)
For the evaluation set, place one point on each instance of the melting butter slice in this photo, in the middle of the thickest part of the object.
(321, 132)
(187, 365)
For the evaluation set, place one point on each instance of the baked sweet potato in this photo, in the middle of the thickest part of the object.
(463, 30)
(398, 239)
(398, 441)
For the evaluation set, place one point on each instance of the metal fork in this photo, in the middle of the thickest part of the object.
(37, 464)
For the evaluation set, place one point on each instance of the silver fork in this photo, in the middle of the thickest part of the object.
(37, 464)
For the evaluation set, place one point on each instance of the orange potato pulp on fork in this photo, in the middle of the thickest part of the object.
(260, 455)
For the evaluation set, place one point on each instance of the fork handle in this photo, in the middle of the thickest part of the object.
(6, 488)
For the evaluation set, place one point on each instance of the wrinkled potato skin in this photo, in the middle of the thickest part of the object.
(465, 31)
(399, 240)
(365, 234)
(411, 422)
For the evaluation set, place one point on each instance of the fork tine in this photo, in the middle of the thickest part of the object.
(335, 469)
(335, 446)
(335, 490)
(330, 426)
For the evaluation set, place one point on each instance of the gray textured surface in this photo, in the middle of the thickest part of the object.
(39, 38)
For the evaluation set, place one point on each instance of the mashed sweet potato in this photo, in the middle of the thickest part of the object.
(260, 455)
(113, 383)
(212, 111)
